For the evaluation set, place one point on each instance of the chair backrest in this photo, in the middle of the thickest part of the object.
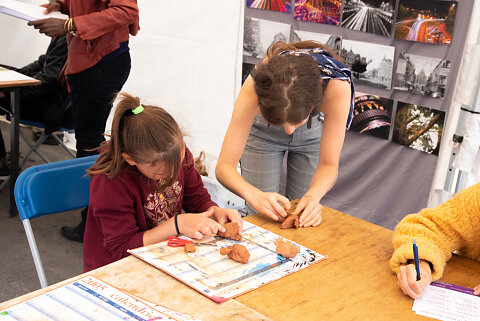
(53, 187)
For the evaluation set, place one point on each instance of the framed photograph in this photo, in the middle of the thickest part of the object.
(372, 16)
(418, 127)
(273, 5)
(372, 115)
(246, 70)
(331, 41)
(427, 21)
(319, 11)
(371, 64)
(421, 75)
(260, 34)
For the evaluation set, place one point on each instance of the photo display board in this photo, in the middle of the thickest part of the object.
(405, 56)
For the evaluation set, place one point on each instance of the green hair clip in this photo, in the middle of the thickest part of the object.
(137, 110)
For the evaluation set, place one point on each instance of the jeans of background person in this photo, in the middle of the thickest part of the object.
(262, 159)
(92, 92)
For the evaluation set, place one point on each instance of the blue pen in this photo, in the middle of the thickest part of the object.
(415, 255)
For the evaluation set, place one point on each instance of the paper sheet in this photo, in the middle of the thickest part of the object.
(449, 302)
(10, 75)
(27, 11)
(88, 298)
(220, 278)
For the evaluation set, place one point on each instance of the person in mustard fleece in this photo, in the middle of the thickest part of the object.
(453, 225)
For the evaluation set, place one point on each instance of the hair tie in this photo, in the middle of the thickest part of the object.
(137, 110)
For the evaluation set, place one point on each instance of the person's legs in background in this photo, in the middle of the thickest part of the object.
(92, 94)
(4, 164)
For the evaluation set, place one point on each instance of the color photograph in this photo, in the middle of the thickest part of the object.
(273, 5)
(372, 16)
(260, 34)
(426, 21)
(418, 127)
(372, 115)
(331, 41)
(421, 75)
(371, 64)
(319, 11)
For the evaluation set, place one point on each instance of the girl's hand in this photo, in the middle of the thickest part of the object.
(225, 215)
(407, 279)
(312, 211)
(196, 226)
(52, 5)
(268, 204)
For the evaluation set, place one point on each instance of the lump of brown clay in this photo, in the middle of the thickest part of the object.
(290, 221)
(232, 231)
(236, 252)
(190, 248)
(286, 248)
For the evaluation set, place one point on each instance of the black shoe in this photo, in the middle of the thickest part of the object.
(71, 233)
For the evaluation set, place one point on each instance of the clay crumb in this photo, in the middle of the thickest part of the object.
(190, 248)
(232, 231)
(236, 252)
(286, 248)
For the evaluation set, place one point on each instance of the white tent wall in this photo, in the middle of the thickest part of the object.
(21, 44)
(465, 93)
(186, 59)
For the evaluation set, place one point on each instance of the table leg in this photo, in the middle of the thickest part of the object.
(14, 150)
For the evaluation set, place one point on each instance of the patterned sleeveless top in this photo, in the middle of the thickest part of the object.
(330, 68)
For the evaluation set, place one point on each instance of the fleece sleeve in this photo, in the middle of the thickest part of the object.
(114, 207)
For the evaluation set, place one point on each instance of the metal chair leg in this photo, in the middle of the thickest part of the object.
(35, 253)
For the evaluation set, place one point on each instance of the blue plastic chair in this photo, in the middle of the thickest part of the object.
(48, 189)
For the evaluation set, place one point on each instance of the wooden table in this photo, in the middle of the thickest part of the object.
(354, 283)
(13, 82)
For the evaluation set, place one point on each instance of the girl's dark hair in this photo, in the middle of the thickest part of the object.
(150, 137)
(288, 87)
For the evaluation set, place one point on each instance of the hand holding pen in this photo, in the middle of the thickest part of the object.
(413, 278)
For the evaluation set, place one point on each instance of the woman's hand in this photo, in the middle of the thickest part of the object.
(196, 226)
(268, 204)
(52, 5)
(52, 27)
(407, 279)
(225, 215)
(476, 290)
(312, 211)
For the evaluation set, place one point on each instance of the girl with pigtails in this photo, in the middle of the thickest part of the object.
(298, 99)
(140, 183)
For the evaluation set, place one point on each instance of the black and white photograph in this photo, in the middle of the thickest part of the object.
(331, 41)
(371, 64)
(421, 75)
(372, 16)
(246, 70)
(260, 34)
(372, 115)
(418, 127)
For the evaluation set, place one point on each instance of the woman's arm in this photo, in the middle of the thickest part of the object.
(336, 108)
(244, 112)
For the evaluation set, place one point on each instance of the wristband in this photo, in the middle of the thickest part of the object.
(176, 224)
